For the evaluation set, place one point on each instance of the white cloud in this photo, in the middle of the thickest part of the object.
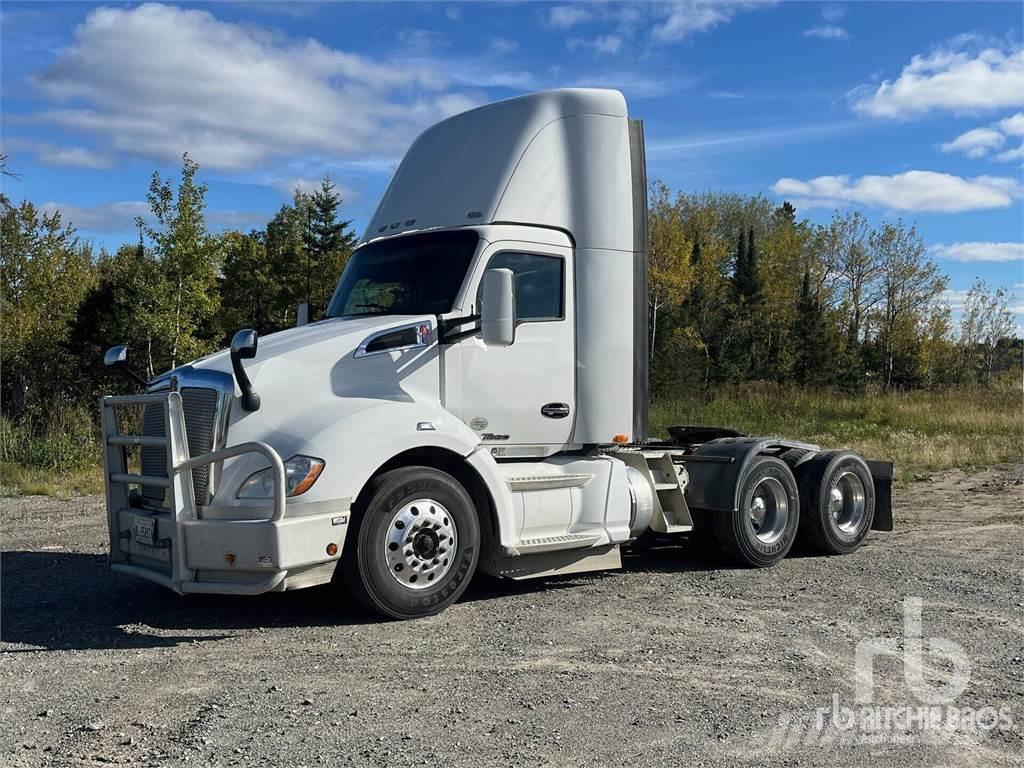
(976, 142)
(1012, 125)
(955, 298)
(827, 32)
(120, 217)
(1017, 153)
(832, 12)
(980, 251)
(725, 95)
(609, 44)
(60, 156)
(686, 17)
(632, 84)
(106, 217)
(693, 145)
(422, 40)
(949, 78)
(502, 45)
(910, 191)
(158, 80)
(567, 16)
(241, 220)
(311, 184)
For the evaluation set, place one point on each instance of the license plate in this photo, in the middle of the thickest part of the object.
(144, 529)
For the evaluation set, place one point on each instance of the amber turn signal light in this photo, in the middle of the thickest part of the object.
(332, 549)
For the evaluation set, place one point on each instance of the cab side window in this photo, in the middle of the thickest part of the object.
(540, 284)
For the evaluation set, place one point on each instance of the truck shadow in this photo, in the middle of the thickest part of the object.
(71, 601)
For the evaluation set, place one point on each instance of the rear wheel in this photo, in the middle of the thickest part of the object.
(761, 531)
(416, 544)
(838, 496)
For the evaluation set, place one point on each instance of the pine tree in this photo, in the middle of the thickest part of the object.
(746, 278)
(328, 240)
(740, 269)
(785, 214)
(752, 276)
(814, 361)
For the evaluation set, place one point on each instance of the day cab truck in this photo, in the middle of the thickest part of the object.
(474, 398)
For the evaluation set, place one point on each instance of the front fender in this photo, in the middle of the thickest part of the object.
(352, 446)
(385, 430)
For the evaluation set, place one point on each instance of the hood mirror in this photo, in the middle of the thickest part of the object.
(117, 358)
(243, 347)
(302, 316)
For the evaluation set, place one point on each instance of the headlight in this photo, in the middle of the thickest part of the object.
(300, 472)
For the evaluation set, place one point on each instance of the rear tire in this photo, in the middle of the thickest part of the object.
(838, 497)
(761, 531)
(415, 545)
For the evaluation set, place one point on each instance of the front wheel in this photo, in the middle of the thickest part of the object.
(415, 546)
(761, 530)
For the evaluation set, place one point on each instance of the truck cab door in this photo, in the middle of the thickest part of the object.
(521, 398)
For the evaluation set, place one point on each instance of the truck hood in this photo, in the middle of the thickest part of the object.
(336, 335)
(310, 373)
(311, 383)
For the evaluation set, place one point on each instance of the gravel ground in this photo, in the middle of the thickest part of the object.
(677, 659)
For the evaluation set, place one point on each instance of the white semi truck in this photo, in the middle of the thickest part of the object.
(475, 398)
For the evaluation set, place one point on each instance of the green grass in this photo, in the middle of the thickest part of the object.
(21, 480)
(917, 431)
(60, 457)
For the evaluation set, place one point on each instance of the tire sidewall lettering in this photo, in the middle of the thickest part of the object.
(377, 579)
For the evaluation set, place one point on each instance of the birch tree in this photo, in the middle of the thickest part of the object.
(669, 265)
(908, 281)
(188, 260)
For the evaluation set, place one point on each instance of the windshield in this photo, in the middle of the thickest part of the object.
(411, 275)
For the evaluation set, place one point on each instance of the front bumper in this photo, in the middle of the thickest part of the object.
(190, 552)
(240, 557)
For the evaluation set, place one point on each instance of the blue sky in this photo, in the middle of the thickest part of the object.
(906, 109)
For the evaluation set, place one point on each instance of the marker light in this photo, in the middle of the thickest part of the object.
(332, 549)
(300, 472)
(620, 439)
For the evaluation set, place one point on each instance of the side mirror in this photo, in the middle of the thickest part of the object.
(302, 317)
(498, 313)
(117, 358)
(243, 347)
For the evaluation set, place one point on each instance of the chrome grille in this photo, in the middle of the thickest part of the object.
(200, 406)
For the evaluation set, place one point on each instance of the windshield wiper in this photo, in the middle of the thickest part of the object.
(373, 305)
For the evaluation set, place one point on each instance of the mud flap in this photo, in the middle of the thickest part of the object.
(881, 473)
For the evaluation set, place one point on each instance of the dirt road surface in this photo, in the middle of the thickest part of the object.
(675, 660)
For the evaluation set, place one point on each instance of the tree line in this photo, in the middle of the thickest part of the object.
(178, 293)
(740, 290)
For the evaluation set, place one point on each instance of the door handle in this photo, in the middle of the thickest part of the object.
(555, 410)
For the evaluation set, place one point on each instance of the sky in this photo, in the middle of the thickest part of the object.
(909, 110)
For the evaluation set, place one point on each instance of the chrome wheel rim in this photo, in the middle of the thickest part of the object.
(847, 502)
(421, 543)
(768, 510)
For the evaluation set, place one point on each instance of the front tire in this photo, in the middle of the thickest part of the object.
(415, 546)
(762, 530)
